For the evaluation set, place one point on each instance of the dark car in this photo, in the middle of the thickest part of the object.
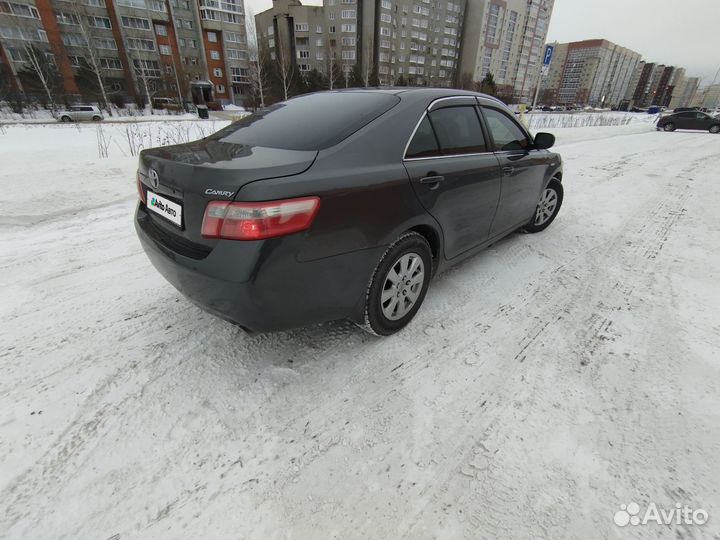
(689, 120)
(341, 204)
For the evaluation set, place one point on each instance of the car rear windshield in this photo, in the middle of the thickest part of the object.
(311, 122)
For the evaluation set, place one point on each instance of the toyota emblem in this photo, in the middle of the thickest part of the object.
(154, 179)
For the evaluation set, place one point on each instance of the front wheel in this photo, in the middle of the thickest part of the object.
(715, 129)
(96, 118)
(547, 208)
(669, 126)
(65, 119)
(398, 285)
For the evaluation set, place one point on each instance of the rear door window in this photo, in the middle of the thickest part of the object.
(505, 131)
(424, 143)
(458, 130)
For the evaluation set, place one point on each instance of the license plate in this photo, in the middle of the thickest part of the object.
(164, 207)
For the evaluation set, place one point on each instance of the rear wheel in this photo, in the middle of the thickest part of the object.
(715, 129)
(547, 208)
(669, 126)
(65, 119)
(96, 118)
(398, 285)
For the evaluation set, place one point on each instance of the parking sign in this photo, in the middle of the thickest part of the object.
(549, 49)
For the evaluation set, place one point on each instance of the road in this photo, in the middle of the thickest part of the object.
(544, 383)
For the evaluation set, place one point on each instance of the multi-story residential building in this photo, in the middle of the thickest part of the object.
(660, 85)
(389, 40)
(592, 72)
(708, 97)
(506, 38)
(139, 47)
(685, 92)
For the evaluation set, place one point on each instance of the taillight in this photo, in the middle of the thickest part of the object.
(258, 220)
(140, 188)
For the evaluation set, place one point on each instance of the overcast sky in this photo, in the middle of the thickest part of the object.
(672, 32)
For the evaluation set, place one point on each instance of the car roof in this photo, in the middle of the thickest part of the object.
(421, 92)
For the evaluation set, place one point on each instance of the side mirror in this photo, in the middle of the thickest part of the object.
(543, 141)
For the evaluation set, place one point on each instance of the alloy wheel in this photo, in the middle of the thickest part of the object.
(402, 286)
(546, 206)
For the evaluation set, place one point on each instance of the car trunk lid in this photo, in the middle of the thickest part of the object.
(189, 175)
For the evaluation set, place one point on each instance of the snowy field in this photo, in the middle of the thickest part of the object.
(543, 384)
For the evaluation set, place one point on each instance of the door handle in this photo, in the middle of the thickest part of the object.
(508, 170)
(432, 180)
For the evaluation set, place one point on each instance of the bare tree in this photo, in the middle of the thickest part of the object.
(92, 57)
(43, 69)
(368, 64)
(146, 76)
(258, 74)
(286, 71)
(332, 67)
(257, 56)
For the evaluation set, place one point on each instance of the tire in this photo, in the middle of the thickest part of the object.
(669, 126)
(547, 209)
(96, 118)
(65, 119)
(715, 129)
(410, 257)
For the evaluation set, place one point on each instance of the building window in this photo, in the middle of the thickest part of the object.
(214, 55)
(304, 67)
(386, 4)
(133, 3)
(386, 18)
(318, 29)
(111, 63)
(348, 28)
(350, 42)
(136, 23)
(212, 37)
(220, 88)
(319, 42)
(331, 15)
(239, 75)
(165, 49)
(147, 68)
(141, 44)
(303, 54)
(106, 43)
(384, 31)
(99, 22)
(235, 54)
(347, 14)
(350, 55)
(301, 27)
(161, 30)
(331, 29)
(217, 72)
(234, 37)
(66, 18)
(74, 40)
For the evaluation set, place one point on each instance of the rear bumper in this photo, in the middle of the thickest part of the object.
(262, 286)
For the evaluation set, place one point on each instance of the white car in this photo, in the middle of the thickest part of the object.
(80, 113)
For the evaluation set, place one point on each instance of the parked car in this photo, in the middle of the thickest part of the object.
(689, 120)
(685, 109)
(341, 204)
(80, 113)
(168, 104)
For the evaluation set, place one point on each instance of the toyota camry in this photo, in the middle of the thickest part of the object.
(341, 204)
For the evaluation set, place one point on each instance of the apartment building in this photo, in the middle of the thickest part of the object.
(685, 92)
(708, 97)
(389, 41)
(506, 38)
(659, 85)
(593, 72)
(139, 47)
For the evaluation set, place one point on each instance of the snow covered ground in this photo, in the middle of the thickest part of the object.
(543, 384)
